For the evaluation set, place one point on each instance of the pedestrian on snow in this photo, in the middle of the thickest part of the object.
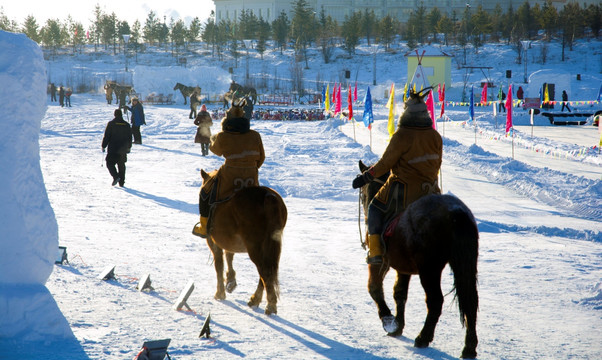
(137, 119)
(195, 101)
(52, 92)
(118, 139)
(520, 93)
(203, 131)
(565, 99)
(501, 97)
(412, 159)
(62, 96)
(68, 93)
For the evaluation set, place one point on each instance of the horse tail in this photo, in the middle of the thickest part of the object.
(276, 213)
(463, 261)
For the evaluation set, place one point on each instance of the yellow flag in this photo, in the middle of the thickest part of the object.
(391, 106)
(546, 95)
(327, 100)
(405, 91)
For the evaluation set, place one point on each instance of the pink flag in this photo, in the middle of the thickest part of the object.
(350, 102)
(334, 93)
(442, 99)
(355, 92)
(484, 94)
(509, 109)
(430, 106)
(337, 107)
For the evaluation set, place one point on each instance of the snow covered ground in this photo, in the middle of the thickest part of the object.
(540, 274)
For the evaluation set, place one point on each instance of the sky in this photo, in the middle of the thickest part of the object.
(83, 11)
(538, 214)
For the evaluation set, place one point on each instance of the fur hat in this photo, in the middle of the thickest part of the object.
(416, 113)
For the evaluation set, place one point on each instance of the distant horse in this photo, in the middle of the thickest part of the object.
(433, 231)
(251, 220)
(187, 91)
(121, 91)
(244, 91)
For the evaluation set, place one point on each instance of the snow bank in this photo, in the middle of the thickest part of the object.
(29, 228)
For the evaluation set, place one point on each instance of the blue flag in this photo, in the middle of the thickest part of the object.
(600, 92)
(368, 117)
(323, 93)
(471, 108)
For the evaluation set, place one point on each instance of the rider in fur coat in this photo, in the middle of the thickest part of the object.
(243, 150)
(413, 158)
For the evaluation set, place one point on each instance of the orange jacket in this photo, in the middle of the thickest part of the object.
(414, 158)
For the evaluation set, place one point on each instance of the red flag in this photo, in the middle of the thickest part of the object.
(355, 92)
(337, 107)
(334, 93)
(509, 109)
(484, 94)
(442, 99)
(350, 102)
(430, 106)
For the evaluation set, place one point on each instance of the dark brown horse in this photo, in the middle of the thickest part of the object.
(251, 221)
(187, 90)
(243, 91)
(433, 231)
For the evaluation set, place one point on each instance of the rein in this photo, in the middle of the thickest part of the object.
(359, 212)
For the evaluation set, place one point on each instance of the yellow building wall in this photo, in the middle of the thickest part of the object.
(437, 69)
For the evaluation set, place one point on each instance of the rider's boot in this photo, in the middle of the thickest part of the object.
(200, 229)
(375, 253)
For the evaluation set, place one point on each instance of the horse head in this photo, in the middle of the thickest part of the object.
(368, 191)
(178, 85)
(207, 175)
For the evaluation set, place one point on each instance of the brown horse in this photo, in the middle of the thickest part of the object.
(433, 231)
(187, 90)
(243, 91)
(251, 220)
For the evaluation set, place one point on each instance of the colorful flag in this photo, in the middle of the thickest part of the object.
(334, 94)
(541, 96)
(442, 99)
(546, 95)
(368, 117)
(350, 104)
(484, 94)
(337, 105)
(327, 100)
(471, 106)
(509, 109)
(355, 92)
(391, 106)
(430, 106)
(406, 92)
(600, 93)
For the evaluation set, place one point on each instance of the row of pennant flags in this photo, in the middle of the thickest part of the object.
(332, 103)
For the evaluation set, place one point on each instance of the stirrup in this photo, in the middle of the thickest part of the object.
(374, 260)
(204, 236)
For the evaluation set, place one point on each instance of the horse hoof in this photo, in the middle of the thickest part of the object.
(271, 309)
(469, 354)
(390, 325)
(220, 296)
(230, 286)
(421, 343)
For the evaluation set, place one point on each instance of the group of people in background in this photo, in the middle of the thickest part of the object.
(279, 114)
(64, 95)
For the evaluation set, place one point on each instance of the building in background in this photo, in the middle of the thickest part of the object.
(339, 9)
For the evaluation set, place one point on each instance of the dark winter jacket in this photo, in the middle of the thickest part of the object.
(118, 137)
(137, 114)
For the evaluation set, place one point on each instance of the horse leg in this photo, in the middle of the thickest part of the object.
(400, 294)
(231, 274)
(375, 288)
(257, 296)
(431, 282)
(218, 262)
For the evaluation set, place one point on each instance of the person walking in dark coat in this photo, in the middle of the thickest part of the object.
(137, 119)
(52, 92)
(195, 101)
(118, 139)
(62, 96)
(565, 99)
